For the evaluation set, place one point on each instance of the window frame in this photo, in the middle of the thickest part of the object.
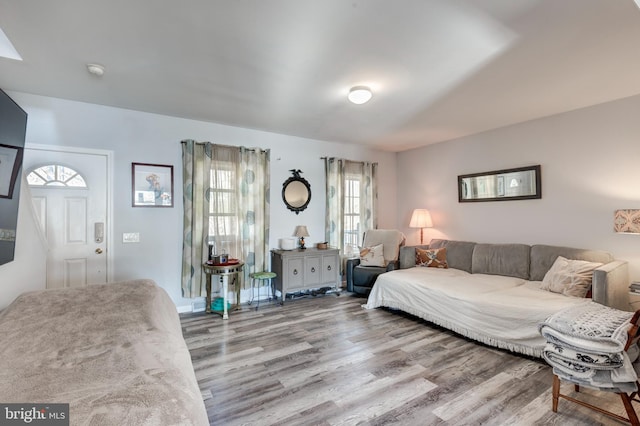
(352, 195)
(223, 243)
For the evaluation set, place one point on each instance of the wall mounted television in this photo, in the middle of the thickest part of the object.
(13, 129)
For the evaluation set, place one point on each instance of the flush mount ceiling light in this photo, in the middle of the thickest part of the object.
(360, 94)
(95, 69)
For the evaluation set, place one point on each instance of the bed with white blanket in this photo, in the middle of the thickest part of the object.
(113, 352)
(491, 292)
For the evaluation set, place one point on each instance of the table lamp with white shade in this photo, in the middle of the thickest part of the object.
(301, 232)
(421, 219)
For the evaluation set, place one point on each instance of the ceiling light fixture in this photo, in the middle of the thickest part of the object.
(95, 69)
(360, 94)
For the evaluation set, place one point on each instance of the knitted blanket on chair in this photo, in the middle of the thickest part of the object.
(585, 346)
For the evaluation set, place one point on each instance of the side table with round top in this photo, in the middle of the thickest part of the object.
(224, 271)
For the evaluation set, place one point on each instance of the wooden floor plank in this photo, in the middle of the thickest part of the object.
(326, 361)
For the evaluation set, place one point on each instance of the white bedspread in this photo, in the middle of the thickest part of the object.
(500, 311)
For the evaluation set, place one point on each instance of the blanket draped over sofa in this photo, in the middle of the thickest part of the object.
(114, 352)
(586, 347)
(492, 292)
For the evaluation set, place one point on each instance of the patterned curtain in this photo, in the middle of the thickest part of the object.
(230, 211)
(337, 172)
(196, 172)
(253, 209)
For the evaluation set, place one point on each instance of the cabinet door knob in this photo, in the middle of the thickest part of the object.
(329, 268)
(313, 269)
(295, 272)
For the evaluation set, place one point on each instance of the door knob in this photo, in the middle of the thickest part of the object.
(98, 250)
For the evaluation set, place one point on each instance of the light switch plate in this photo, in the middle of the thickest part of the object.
(131, 237)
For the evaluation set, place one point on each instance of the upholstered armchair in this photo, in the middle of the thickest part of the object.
(360, 277)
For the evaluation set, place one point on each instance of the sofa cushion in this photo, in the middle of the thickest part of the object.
(432, 258)
(511, 260)
(543, 257)
(372, 256)
(459, 253)
(569, 277)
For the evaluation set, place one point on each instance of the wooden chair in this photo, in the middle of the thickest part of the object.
(634, 335)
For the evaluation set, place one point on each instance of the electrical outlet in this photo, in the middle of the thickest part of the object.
(131, 237)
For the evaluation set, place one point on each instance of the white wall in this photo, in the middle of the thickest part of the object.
(590, 167)
(141, 137)
(27, 272)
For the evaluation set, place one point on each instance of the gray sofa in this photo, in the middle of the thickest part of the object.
(492, 292)
(610, 284)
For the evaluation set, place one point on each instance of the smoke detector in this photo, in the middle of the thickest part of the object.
(95, 69)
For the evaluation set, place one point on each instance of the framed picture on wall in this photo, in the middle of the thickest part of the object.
(151, 185)
(10, 162)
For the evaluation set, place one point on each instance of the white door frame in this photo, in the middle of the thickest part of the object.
(109, 157)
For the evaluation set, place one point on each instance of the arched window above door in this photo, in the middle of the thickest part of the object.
(56, 175)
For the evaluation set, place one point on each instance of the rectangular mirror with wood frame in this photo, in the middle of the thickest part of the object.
(521, 183)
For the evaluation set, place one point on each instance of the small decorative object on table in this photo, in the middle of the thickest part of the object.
(322, 246)
(301, 232)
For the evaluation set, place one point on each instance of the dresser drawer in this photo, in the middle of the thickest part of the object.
(312, 271)
(295, 271)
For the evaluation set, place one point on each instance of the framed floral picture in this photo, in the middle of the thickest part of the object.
(10, 163)
(151, 185)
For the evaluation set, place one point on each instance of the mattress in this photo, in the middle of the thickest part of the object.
(496, 310)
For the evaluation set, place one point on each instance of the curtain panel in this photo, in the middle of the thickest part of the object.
(337, 171)
(226, 204)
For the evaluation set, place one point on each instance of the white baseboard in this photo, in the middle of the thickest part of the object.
(184, 309)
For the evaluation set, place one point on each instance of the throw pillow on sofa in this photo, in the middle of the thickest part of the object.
(569, 277)
(372, 256)
(432, 258)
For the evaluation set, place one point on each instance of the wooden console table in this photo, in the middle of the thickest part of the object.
(224, 272)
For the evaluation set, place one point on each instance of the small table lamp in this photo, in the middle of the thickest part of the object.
(301, 232)
(421, 219)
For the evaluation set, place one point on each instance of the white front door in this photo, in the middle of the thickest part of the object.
(72, 214)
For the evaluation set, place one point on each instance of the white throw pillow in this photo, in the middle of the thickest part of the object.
(372, 256)
(569, 277)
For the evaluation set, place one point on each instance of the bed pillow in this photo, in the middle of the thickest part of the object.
(372, 256)
(432, 258)
(569, 277)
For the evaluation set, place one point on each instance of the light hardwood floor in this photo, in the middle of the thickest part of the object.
(326, 361)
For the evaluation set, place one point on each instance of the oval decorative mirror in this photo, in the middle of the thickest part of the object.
(296, 192)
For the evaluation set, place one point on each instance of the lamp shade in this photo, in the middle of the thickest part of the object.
(421, 219)
(301, 231)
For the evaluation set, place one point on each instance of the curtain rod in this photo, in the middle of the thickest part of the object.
(230, 146)
(353, 161)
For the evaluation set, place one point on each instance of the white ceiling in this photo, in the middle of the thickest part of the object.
(440, 69)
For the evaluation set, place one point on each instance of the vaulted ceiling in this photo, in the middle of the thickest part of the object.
(439, 69)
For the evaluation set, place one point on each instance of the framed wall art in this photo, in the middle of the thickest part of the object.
(151, 185)
(10, 162)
